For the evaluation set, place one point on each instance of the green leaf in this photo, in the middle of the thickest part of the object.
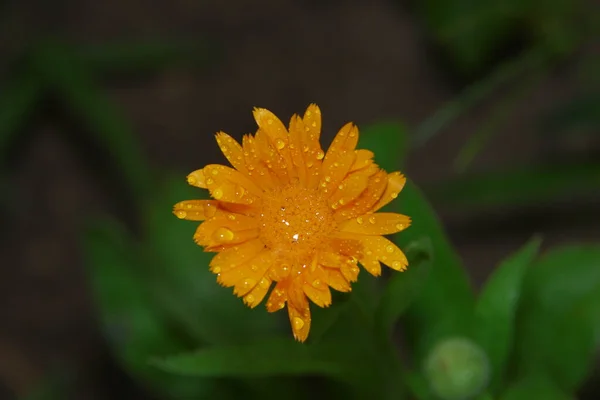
(388, 140)
(534, 387)
(134, 329)
(65, 73)
(183, 284)
(275, 357)
(559, 318)
(517, 186)
(445, 304)
(140, 57)
(16, 103)
(402, 287)
(495, 310)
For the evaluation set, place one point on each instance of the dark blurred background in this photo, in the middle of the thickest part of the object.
(482, 89)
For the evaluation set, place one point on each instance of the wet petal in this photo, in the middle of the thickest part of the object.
(278, 297)
(235, 256)
(276, 133)
(363, 159)
(196, 210)
(316, 288)
(349, 189)
(257, 170)
(246, 276)
(222, 230)
(364, 203)
(300, 320)
(395, 184)
(257, 294)
(296, 148)
(336, 280)
(232, 150)
(383, 250)
(312, 122)
(376, 224)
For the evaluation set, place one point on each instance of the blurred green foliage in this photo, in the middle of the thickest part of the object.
(182, 336)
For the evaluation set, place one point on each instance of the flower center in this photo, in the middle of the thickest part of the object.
(294, 221)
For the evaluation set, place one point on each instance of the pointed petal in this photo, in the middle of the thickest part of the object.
(232, 150)
(296, 148)
(227, 184)
(246, 276)
(364, 203)
(279, 296)
(395, 184)
(256, 295)
(383, 250)
(316, 288)
(221, 230)
(376, 224)
(235, 256)
(300, 320)
(349, 189)
(312, 122)
(336, 280)
(196, 210)
(257, 170)
(339, 158)
(364, 158)
(197, 178)
(276, 133)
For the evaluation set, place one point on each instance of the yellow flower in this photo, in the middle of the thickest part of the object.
(291, 215)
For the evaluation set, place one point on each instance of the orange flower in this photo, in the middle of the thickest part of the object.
(287, 213)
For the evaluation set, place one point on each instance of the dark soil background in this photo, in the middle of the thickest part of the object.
(360, 61)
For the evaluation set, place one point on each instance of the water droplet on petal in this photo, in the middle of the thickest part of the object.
(280, 144)
(209, 210)
(393, 195)
(216, 270)
(298, 323)
(231, 217)
(214, 171)
(397, 265)
(223, 235)
(180, 214)
(210, 181)
(217, 193)
(250, 298)
(327, 179)
(264, 283)
(320, 155)
(248, 283)
(399, 226)
(372, 219)
(359, 220)
(317, 283)
(389, 249)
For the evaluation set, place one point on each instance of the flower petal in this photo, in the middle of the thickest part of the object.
(246, 276)
(311, 147)
(312, 122)
(364, 203)
(232, 150)
(339, 158)
(276, 133)
(257, 294)
(364, 158)
(235, 256)
(300, 320)
(336, 280)
(316, 288)
(257, 170)
(227, 184)
(383, 250)
(376, 224)
(279, 296)
(349, 189)
(196, 210)
(296, 148)
(222, 230)
(395, 184)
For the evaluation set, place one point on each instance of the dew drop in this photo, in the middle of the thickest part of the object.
(223, 235)
(298, 323)
(231, 217)
(216, 270)
(180, 214)
(217, 193)
(264, 283)
(280, 144)
(336, 164)
(270, 122)
(389, 249)
(393, 195)
(372, 219)
(317, 283)
(327, 179)
(214, 171)
(209, 210)
(320, 155)
(248, 283)
(305, 149)
(352, 133)
(400, 226)
(359, 220)
(250, 298)
(210, 181)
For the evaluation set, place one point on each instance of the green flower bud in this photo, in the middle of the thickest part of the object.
(457, 369)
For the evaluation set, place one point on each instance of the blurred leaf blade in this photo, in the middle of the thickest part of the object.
(389, 141)
(402, 288)
(431, 316)
(146, 56)
(518, 186)
(495, 310)
(17, 102)
(65, 73)
(559, 317)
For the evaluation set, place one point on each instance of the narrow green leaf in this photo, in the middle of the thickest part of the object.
(275, 357)
(403, 287)
(16, 103)
(518, 186)
(149, 56)
(559, 317)
(65, 73)
(495, 310)
(388, 140)
(445, 304)
(534, 387)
